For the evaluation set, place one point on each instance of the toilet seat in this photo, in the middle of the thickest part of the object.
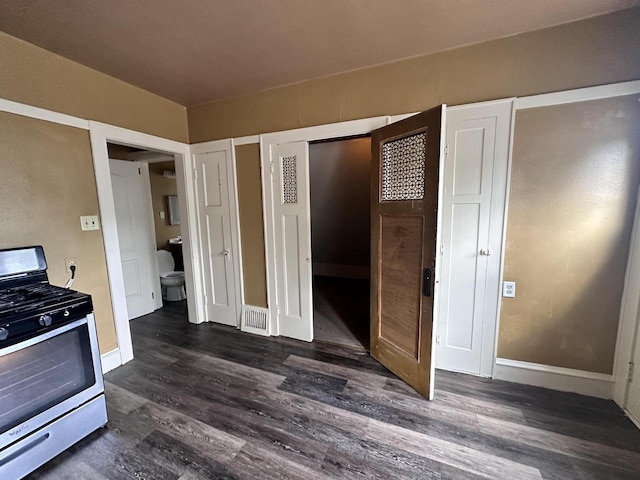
(172, 282)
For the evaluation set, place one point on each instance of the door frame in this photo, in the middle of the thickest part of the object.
(100, 135)
(267, 141)
(234, 216)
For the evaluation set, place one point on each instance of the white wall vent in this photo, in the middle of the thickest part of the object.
(255, 320)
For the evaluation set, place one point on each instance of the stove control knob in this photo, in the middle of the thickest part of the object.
(45, 320)
(4, 333)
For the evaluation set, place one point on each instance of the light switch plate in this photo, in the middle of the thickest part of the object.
(89, 222)
(509, 289)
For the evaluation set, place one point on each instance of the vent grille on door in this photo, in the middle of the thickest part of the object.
(255, 320)
(403, 167)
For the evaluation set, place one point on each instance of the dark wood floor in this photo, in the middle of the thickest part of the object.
(205, 401)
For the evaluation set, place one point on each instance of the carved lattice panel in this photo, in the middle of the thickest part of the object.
(289, 180)
(403, 166)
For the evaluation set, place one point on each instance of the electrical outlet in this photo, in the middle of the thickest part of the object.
(509, 289)
(89, 222)
(68, 262)
(161, 215)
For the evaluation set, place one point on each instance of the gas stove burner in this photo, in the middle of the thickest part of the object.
(28, 302)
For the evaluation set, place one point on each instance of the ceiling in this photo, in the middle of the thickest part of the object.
(197, 51)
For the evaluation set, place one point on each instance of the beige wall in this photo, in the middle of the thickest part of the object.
(47, 184)
(575, 175)
(590, 52)
(35, 76)
(251, 224)
(162, 186)
(47, 169)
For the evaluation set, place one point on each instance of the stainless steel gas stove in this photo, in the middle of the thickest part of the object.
(51, 387)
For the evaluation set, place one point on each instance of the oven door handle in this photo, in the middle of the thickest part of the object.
(43, 337)
(33, 443)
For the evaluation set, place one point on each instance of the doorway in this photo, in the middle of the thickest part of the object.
(339, 190)
(146, 202)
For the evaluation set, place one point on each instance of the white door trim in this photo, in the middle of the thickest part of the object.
(235, 222)
(503, 247)
(38, 113)
(267, 141)
(232, 185)
(629, 316)
(100, 134)
(579, 95)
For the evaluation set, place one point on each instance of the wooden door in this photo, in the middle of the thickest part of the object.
(290, 175)
(137, 245)
(212, 190)
(404, 218)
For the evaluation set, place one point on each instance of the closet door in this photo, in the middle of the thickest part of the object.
(214, 218)
(290, 177)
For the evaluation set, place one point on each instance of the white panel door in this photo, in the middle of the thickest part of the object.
(214, 215)
(292, 223)
(473, 212)
(137, 245)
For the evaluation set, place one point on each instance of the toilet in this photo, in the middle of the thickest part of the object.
(172, 283)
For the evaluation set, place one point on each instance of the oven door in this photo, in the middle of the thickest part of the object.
(44, 377)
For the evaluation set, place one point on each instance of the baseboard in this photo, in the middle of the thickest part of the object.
(556, 378)
(636, 421)
(341, 271)
(110, 360)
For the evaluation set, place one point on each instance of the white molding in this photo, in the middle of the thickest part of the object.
(110, 360)
(325, 132)
(236, 225)
(629, 320)
(308, 134)
(396, 118)
(100, 134)
(248, 140)
(636, 421)
(579, 95)
(42, 114)
(269, 235)
(556, 378)
(438, 258)
(503, 247)
(151, 227)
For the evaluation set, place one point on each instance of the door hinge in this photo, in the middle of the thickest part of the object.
(272, 166)
(153, 296)
(631, 371)
(139, 171)
(206, 300)
(442, 249)
(446, 150)
(437, 339)
(277, 311)
(195, 173)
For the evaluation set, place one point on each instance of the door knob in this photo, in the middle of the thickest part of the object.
(227, 253)
(485, 252)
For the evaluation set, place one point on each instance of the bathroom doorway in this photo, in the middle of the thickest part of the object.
(339, 183)
(147, 217)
